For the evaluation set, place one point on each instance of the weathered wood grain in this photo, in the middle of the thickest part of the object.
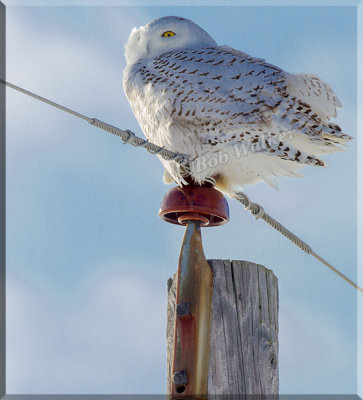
(244, 332)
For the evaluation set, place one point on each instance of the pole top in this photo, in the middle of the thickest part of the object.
(198, 203)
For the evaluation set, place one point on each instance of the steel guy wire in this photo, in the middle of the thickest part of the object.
(128, 136)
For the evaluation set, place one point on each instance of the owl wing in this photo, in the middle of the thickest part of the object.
(226, 97)
(313, 91)
(215, 84)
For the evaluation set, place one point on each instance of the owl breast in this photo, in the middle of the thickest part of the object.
(154, 108)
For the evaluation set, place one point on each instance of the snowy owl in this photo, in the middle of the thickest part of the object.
(239, 119)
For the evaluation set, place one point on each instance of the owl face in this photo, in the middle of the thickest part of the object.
(163, 35)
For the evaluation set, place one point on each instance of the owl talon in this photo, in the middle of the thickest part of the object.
(211, 181)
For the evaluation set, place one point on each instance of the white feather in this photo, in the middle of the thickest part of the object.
(316, 93)
(215, 103)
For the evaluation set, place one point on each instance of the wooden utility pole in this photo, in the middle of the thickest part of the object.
(244, 330)
(222, 331)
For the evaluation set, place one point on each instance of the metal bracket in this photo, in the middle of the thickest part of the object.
(193, 318)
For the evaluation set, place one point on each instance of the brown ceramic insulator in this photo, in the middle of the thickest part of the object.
(183, 219)
(202, 203)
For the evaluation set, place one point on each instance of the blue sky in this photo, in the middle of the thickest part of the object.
(87, 255)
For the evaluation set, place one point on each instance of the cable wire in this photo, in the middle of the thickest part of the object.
(259, 212)
(128, 136)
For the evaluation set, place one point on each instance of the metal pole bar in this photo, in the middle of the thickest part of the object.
(192, 318)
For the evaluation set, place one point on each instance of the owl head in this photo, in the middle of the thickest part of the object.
(163, 35)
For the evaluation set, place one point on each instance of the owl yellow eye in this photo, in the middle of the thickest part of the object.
(168, 34)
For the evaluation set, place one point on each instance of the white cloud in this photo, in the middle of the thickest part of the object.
(110, 340)
(312, 350)
(71, 71)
